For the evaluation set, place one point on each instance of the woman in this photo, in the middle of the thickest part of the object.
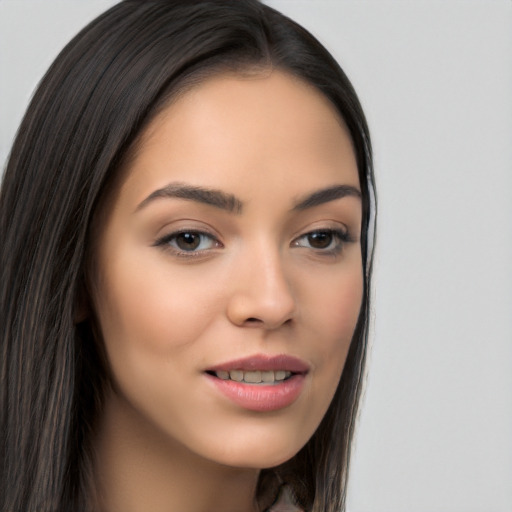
(186, 223)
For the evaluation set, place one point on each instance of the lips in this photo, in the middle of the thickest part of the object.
(263, 362)
(260, 383)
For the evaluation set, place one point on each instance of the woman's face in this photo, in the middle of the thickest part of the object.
(228, 271)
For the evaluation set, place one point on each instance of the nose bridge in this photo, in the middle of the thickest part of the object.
(262, 292)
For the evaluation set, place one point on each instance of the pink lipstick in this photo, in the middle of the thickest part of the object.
(260, 383)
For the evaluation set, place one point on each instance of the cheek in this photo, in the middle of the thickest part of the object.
(151, 320)
(336, 305)
(334, 313)
(151, 308)
(346, 305)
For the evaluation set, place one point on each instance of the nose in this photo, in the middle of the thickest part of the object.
(261, 293)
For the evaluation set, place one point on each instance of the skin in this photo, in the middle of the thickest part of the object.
(168, 439)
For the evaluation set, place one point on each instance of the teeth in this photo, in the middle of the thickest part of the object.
(268, 376)
(237, 375)
(254, 376)
(280, 375)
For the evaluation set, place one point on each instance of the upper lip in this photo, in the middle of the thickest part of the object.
(265, 363)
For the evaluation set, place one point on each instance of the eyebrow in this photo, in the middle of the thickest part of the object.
(230, 203)
(325, 196)
(209, 196)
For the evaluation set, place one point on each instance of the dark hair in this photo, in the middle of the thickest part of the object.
(93, 103)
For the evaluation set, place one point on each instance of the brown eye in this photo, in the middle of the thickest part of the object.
(323, 241)
(320, 239)
(188, 241)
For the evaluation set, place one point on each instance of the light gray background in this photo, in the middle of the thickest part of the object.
(435, 78)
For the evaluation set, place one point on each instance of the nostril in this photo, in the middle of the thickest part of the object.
(253, 320)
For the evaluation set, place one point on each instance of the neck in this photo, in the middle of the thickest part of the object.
(138, 468)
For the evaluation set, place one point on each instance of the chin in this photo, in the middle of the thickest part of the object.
(259, 450)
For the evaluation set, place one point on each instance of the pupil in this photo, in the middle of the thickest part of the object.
(188, 241)
(320, 240)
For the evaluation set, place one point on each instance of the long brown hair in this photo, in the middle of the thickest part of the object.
(99, 94)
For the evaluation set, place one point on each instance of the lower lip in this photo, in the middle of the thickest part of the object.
(261, 397)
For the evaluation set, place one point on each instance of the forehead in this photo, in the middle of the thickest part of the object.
(266, 126)
(277, 90)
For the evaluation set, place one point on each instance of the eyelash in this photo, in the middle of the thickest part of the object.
(338, 239)
(166, 243)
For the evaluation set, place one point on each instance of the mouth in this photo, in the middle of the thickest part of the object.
(260, 369)
(260, 383)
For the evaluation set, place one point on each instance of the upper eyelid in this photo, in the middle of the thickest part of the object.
(334, 226)
(187, 226)
(169, 236)
(344, 234)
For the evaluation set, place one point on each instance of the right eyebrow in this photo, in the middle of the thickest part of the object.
(212, 197)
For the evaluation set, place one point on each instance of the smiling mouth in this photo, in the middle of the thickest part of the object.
(266, 377)
(261, 382)
(260, 369)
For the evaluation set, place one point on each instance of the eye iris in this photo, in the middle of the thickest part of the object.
(188, 241)
(320, 239)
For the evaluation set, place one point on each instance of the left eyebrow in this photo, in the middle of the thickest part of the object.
(325, 196)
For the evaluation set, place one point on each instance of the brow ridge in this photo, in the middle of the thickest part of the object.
(229, 202)
(326, 195)
(209, 196)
